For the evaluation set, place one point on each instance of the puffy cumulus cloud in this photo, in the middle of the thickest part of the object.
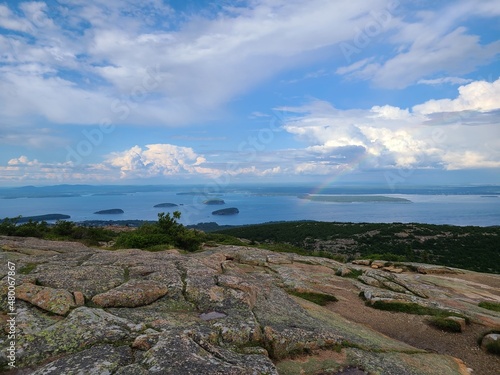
(479, 96)
(377, 137)
(459, 133)
(150, 162)
(156, 160)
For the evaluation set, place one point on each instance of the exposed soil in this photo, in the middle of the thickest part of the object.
(413, 330)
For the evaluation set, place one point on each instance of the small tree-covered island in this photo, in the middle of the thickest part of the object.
(226, 211)
(113, 211)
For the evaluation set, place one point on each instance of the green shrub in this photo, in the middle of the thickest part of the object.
(493, 306)
(8, 226)
(414, 308)
(165, 233)
(317, 298)
(405, 307)
(445, 324)
(91, 236)
(354, 274)
(63, 228)
(189, 240)
(32, 229)
(27, 268)
(133, 240)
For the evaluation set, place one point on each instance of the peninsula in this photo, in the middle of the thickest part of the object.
(48, 217)
(353, 198)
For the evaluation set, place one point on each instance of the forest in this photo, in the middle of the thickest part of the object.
(468, 247)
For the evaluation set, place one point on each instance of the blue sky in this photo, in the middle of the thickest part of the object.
(119, 92)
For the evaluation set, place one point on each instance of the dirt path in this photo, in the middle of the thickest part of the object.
(413, 330)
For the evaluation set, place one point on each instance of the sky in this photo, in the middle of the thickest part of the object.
(270, 91)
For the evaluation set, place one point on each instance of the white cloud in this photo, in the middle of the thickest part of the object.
(455, 52)
(476, 96)
(23, 169)
(444, 80)
(9, 21)
(87, 60)
(156, 160)
(435, 134)
(432, 42)
(200, 63)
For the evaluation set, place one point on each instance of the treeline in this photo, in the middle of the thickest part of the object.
(166, 233)
(473, 248)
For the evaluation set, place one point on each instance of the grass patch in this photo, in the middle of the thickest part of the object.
(414, 308)
(409, 308)
(317, 298)
(354, 274)
(27, 268)
(493, 306)
(445, 324)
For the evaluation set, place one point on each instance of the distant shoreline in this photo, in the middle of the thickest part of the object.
(353, 198)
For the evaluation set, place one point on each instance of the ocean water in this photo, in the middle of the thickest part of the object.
(256, 208)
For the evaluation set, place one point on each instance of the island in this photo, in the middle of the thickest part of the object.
(226, 211)
(48, 217)
(353, 198)
(213, 202)
(113, 211)
(165, 205)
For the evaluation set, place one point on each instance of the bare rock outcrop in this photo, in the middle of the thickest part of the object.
(131, 294)
(226, 310)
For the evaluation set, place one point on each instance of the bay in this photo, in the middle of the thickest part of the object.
(259, 208)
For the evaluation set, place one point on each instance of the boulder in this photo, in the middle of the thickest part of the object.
(57, 301)
(146, 341)
(491, 340)
(362, 262)
(378, 264)
(79, 298)
(343, 271)
(131, 294)
(439, 270)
